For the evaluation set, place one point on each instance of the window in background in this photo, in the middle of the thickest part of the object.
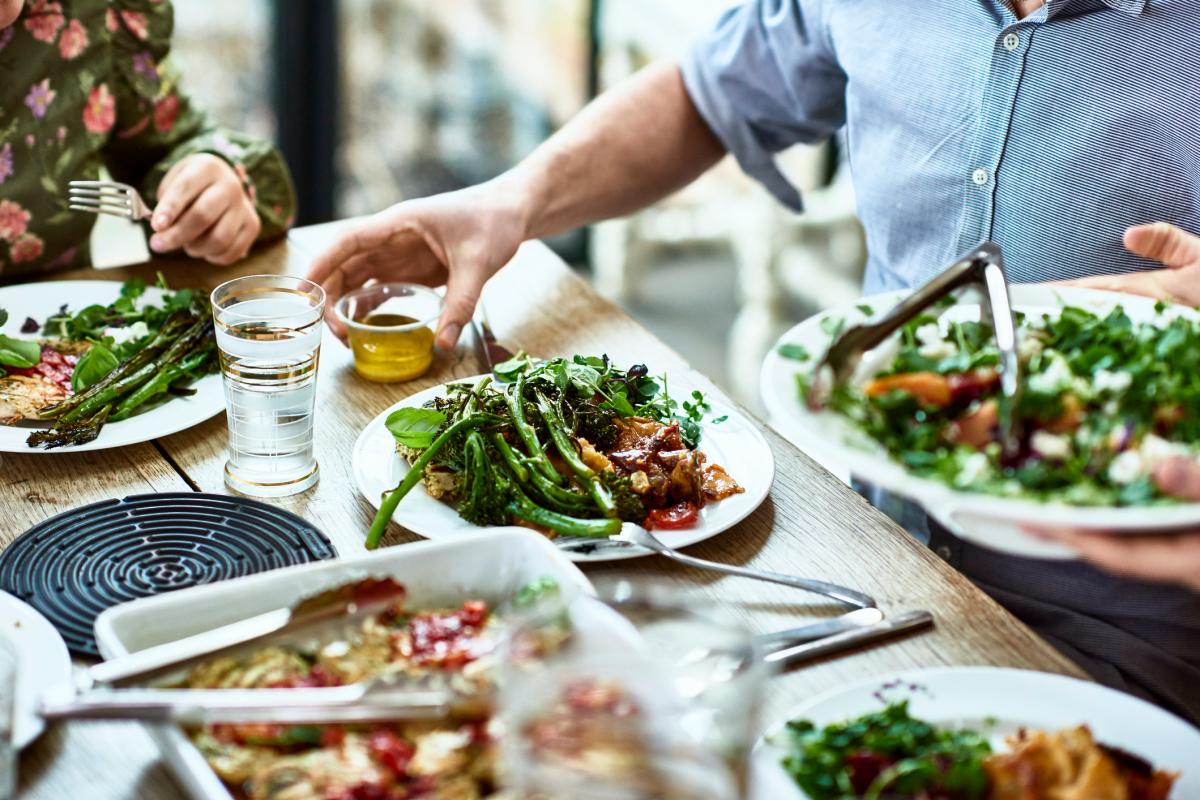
(441, 94)
(223, 48)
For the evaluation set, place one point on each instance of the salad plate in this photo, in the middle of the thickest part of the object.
(42, 660)
(727, 438)
(1100, 483)
(994, 703)
(39, 301)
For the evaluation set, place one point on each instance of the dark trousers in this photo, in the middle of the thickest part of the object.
(1138, 637)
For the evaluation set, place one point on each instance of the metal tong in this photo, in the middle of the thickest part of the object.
(982, 267)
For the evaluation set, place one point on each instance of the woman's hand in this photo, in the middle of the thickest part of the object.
(204, 209)
(1164, 558)
(1176, 249)
(459, 239)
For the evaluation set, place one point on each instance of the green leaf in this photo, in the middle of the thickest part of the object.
(535, 591)
(19, 353)
(796, 352)
(3, 316)
(507, 371)
(866, 309)
(415, 427)
(832, 326)
(97, 362)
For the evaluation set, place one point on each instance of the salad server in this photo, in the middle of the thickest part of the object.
(315, 617)
(377, 700)
(982, 268)
(633, 535)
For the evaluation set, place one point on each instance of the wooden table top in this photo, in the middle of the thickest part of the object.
(811, 524)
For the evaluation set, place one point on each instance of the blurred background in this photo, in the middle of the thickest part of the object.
(375, 101)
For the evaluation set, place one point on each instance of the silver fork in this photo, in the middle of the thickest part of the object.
(632, 535)
(108, 197)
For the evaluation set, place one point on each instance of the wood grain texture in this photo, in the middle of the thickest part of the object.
(811, 524)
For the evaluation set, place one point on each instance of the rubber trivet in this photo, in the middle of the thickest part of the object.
(73, 566)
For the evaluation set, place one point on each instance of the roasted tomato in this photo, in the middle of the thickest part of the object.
(928, 387)
(976, 428)
(391, 750)
(680, 515)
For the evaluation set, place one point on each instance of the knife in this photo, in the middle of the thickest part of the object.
(852, 620)
(489, 351)
(901, 624)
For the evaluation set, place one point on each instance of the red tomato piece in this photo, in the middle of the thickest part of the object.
(681, 515)
(391, 750)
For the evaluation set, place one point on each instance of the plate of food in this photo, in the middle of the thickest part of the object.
(42, 662)
(588, 446)
(88, 365)
(1106, 398)
(977, 733)
(446, 626)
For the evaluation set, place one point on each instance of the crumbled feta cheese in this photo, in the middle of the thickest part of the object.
(1028, 347)
(1127, 467)
(1054, 378)
(932, 343)
(130, 333)
(1155, 450)
(1115, 382)
(972, 469)
(1051, 445)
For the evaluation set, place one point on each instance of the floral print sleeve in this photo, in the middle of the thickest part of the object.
(88, 84)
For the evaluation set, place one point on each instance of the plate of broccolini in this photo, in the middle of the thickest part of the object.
(1109, 393)
(88, 365)
(572, 447)
(976, 733)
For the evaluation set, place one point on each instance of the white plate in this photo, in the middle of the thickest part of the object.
(736, 444)
(489, 565)
(42, 663)
(967, 696)
(988, 520)
(41, 300)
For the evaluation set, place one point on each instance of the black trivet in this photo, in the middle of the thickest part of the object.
(73, 566)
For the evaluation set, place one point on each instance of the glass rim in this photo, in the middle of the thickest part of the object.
(304, 285)
(415, 288)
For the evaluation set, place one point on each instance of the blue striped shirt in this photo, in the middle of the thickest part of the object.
(1050, 134)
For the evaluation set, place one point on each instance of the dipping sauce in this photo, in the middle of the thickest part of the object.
(385, 354)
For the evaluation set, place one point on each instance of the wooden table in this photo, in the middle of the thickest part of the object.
(811, 524)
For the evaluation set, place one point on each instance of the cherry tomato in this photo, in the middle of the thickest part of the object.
(680, 515)
(390, 750)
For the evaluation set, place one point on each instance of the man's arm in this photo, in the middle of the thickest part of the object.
(631, 147)
(637, 143)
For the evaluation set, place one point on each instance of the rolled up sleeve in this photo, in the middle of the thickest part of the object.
(765, 79)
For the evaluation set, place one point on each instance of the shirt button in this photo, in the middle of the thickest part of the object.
(1012, 42)
(943, 552)
(979, 176)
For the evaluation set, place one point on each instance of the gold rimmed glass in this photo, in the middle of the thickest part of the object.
(269, 335)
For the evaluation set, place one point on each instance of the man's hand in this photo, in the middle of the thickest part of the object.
(1175, 249)
(204, 209)
(1172, 558)
(460, 239)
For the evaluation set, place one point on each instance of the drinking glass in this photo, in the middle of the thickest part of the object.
(269, 336)
(390, 327)
(635, 694)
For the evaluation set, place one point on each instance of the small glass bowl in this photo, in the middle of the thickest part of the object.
(391, 327)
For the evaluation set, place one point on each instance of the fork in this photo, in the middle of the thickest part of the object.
(108, 197)
(632, 535)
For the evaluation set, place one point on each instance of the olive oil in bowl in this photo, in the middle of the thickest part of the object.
(390, 328)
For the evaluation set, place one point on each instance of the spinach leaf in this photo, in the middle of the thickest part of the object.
(796, 352)
(92, 367)
(20, 353)
(415, 427)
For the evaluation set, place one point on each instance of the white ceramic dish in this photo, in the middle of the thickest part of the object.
(41, 300)
(988, 520)
(490, 565)
(43, 663)
(1013, 698)
(736, 444)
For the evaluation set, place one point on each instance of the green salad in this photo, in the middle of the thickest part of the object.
(1105, 400)
(885, 754)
